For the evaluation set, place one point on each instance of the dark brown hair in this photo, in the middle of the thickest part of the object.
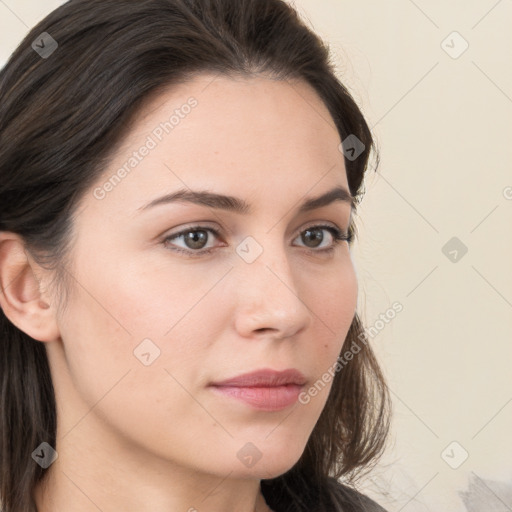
(62, 116)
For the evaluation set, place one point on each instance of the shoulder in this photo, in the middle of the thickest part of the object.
(352, 499)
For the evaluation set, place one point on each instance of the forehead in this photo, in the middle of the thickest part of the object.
(232, 135)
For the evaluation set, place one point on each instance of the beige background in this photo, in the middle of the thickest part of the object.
(442, 118)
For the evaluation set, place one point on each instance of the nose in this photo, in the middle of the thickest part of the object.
(268, 297)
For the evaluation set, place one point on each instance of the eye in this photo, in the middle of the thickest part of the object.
(314, 235)
(195, 239)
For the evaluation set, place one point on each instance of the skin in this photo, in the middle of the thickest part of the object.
(156, 438)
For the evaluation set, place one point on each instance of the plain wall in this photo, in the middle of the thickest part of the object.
(442, 119)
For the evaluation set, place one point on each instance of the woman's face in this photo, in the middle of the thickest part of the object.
(150, 323)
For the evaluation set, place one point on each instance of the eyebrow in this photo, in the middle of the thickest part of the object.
(237, 205)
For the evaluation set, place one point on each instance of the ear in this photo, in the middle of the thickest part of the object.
(21, 298)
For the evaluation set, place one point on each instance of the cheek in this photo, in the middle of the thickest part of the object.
(140, 402)
(333, 309)
(334, 303)
(333, 306)
(160, 300)
(97, 347)
(124, 316)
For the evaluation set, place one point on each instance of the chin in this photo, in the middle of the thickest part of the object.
(270, 465)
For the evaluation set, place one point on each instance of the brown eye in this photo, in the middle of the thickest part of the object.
(194, 238)
(314, 235)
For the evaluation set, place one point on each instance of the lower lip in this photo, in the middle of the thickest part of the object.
(264, 398)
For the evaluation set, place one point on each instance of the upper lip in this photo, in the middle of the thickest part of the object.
(265, 378)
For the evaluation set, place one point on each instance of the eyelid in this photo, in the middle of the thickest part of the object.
(316, 223)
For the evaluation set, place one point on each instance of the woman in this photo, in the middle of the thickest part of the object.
(178, 180)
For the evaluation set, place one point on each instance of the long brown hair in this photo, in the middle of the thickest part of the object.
(61, 117)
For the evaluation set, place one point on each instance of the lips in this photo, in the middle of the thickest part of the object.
(265, 390)
(264, 378)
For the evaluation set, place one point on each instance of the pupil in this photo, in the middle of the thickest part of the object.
(318, 237)
(197, 238)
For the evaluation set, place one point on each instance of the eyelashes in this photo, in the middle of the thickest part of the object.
(337, 235)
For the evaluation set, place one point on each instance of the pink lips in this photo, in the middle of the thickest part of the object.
(266, 390)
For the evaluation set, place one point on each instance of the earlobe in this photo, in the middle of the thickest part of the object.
(20, 291)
